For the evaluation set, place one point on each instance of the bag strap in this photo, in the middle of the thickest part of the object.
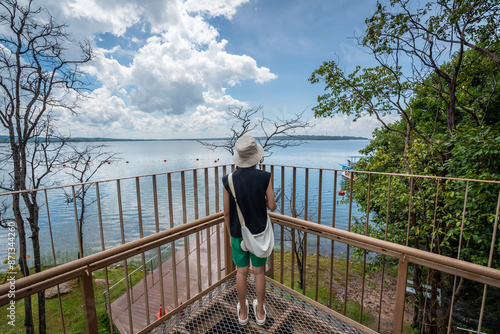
(231, 185)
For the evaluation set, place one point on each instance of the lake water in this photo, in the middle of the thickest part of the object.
(151, 157)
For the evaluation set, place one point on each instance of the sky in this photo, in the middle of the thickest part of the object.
(172, 68)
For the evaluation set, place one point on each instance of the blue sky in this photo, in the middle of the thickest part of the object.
(171, 68)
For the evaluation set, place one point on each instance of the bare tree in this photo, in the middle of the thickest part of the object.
(83, 165)
(297, 238)
(36, 79)
(277, 133)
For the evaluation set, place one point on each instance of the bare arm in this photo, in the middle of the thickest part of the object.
(270, 200)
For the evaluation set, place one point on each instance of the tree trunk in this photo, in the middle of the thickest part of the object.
(28, 318)
(38, 268)
(299, 255)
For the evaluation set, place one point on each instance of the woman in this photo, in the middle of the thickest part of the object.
(253, 188)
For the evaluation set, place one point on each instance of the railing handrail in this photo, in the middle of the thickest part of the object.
(230, 165)
(107, 180)
(389, 174)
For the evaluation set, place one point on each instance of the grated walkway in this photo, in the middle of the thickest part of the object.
(287, 313)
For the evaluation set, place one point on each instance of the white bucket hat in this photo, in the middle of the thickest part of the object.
(248, 152)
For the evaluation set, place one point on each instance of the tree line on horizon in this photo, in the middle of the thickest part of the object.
(5, 139)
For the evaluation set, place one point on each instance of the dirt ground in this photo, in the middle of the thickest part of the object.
(371, 299)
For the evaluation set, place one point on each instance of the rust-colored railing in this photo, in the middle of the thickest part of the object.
(167, 206)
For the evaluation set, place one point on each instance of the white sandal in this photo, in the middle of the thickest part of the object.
(263, 321)
(245, 321)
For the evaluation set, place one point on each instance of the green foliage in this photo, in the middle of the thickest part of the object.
(438, 69)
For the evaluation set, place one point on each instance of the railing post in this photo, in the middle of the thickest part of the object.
(399, 307)
(89, 302)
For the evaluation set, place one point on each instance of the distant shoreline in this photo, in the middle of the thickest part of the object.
(301, 138)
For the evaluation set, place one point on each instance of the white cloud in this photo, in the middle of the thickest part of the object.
(112, 15)
(225, 8)
(175, 80)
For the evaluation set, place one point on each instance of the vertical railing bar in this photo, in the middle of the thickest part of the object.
(54, 258)
(125, 266)
(383, 256)
(306, 195)
(399, 308)
(282, 190)
(332, 253)
(186, 240)
(292, 231)
(304, 259)
(217, 190)
(103, 247)
(209, 235)
(304, 265)
(351, 181)
(158, 249)
(320, 190)
(228, 261)
(435, 214)
(282, 227)
(78, 234)
(143, 257)
(294, 193)
(207, 194)
(271, 263)
(409, 212)
(458, 255)
(364, 251)
(217, 228)
(195, 194)
(196, 216)
(490, 260)
(172, 244)
(431, 248)
(292, 254)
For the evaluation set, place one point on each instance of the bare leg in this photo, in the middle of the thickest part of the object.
(241, 287)
(260, 286)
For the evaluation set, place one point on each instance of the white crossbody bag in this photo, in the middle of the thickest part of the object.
(261, 244)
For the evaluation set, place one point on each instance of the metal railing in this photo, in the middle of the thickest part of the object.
(311, 213)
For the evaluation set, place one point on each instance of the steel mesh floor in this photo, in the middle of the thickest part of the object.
(286, 314)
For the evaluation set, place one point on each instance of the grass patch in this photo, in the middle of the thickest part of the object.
(72, 305)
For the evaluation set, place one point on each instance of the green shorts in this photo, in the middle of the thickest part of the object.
(242, 258)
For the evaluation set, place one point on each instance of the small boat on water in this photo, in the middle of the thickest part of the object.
(350, 166)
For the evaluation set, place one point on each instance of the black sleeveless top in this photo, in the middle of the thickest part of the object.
(250, 185)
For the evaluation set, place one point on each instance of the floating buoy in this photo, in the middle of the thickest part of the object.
(341, 192)
(64, 165)
(197, 159)
(164, 160)
(109, 162)
(127, 161)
